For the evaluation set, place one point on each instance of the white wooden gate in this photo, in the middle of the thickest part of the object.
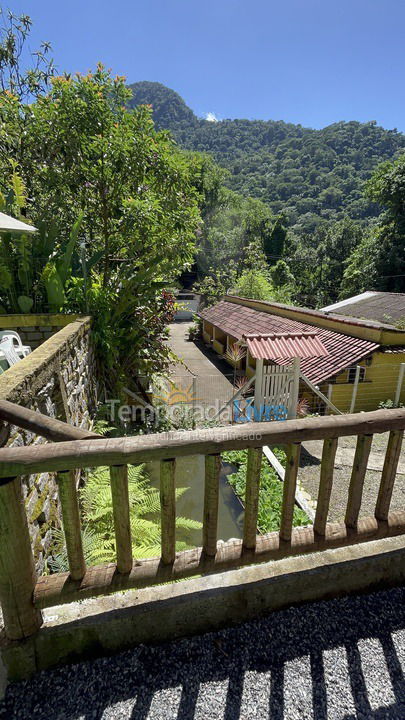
(276, 391)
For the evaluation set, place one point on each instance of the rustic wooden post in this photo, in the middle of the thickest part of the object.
(290, 485)
(168, 510)
(17, 570)
(254, 464)
(325, 484)
(122, 523)
(258, 397)
(71, 523)
(355, 388)
(329, 396)
(211, 496)
(294, 389)
(357, 479)
(399, 384)
(388, 474)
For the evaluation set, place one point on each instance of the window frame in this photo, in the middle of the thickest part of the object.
(352, 371)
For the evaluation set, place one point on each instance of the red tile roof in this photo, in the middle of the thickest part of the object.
(284, 346)
(344, 350)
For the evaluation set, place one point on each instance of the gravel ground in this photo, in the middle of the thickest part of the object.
(309, 480)
(342, 659)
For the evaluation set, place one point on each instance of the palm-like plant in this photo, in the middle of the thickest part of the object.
(241, 382)
(235, 354)
(98, 524)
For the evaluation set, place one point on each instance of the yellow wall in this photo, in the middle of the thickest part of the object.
(218, 347)
(207, 331)
(250, 364)
(220, 335)
(380, 383)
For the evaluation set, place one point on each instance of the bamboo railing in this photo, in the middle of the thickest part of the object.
(23, 596)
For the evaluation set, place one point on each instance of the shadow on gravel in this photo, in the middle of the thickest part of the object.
(307, 459)
(336, 659)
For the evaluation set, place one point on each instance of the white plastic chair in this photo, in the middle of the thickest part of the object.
(20, 349)
(9, 352)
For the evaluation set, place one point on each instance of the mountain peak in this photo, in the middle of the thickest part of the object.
(169, 108)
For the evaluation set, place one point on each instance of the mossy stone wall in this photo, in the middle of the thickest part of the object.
(57, 379)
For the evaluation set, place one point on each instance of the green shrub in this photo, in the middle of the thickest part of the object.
(271, 490)
(388, 405)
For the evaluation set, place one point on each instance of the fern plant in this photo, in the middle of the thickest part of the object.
(98, 525)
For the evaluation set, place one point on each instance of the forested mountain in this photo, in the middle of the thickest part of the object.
(310, 175)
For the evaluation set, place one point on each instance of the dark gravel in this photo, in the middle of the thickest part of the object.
(338, 659)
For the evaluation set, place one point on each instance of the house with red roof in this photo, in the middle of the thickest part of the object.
(337, 352)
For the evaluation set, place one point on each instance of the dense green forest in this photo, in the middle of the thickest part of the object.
(310, 175)
(320, 202)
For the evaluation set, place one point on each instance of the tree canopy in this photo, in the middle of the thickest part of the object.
(78, 152)
(310, 175)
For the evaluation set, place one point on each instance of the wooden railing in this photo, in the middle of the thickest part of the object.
(23, 596)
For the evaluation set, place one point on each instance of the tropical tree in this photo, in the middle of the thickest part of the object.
(84, 155)
(84, 151)
(360, 268)
(254, 284)
(378, 261)
(274, 243)
(20, 82)
(387, 188)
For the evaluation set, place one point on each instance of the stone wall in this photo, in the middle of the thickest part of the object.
(57, 379)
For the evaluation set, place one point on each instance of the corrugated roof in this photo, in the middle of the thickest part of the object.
(385, 307)
(344, 350)
(319, 315)
(284, 346)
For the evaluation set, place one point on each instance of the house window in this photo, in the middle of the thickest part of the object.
(351, 375)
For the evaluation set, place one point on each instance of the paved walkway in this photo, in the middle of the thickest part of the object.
(337, 660)
(212, 376)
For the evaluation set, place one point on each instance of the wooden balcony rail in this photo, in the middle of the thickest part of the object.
(42, 425)
(22, 596)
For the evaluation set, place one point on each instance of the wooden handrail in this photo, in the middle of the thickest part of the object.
(212, 441)
(42, 425)
(17, 581)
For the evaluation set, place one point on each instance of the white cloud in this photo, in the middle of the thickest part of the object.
(211, 117)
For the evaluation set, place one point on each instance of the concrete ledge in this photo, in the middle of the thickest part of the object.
(103, 626)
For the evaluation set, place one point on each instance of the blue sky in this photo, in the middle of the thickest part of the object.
(312, 62)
